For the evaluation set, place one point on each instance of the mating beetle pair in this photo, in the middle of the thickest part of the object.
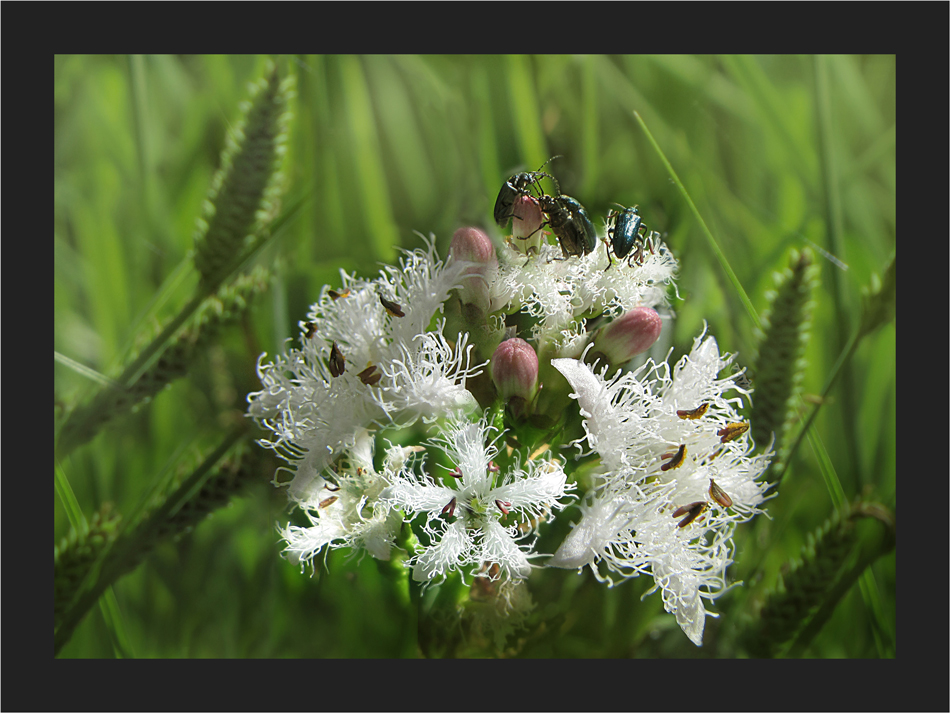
(570, 222)
(565, 215)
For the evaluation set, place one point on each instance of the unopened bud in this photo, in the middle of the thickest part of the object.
(631, 334)
(514, 369)
(526, 223)
(473, 245)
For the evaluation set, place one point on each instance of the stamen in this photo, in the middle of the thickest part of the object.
(732, 431)
(334, 295)
(328, 502)
(694, 510)
(449, 510)
(695, 413)
(503, 506)
(678, 458)
(311, 329)
(393, 308)
(719, 495)
(337, 361)
(370, 376)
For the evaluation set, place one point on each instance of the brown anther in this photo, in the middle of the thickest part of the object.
(457, 473)
(311, 329)
(332, 490)
(328, 502)
(695, 413)
(719, 495)
(493, 467)
(677, 458)
(337, 361)
(394, 308)
(334, 295)
(449, 510)
(692, 511)
(369, 375)
(732, 431)
(503, 506)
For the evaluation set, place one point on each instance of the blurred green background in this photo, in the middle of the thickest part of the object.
(777, 152)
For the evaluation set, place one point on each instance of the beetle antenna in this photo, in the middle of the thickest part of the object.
(549, 161)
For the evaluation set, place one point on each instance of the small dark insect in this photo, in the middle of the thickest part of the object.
(732, 431)
(394, 308)
(311, 329)
(676, 459)
(503, 506)
(337, 361)
(719, 495)
(570, 223)
(328, 502)
(516, 186)
(449, 510)
(334, 295)
(692, 511)
(623, 228)
(695, 413)
(370, 376)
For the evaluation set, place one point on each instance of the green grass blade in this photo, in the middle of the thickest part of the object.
(713, 244)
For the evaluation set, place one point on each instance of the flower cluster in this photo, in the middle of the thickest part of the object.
(675, 472)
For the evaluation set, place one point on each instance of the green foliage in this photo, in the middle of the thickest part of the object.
(774, 153)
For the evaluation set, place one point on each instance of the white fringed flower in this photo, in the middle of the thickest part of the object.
(463, 518)
(347, 511)
(677, 477)
(391, 367)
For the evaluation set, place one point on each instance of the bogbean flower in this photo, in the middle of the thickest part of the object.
(677, 475)
(463, 517)
(366, 357)
(345, 510)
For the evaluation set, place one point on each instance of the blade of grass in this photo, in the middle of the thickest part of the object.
(830, 189)
(713, 245)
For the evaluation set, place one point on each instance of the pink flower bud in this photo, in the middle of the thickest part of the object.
(631, 334)
(514, 369)
(473, 245)
(526, 218)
